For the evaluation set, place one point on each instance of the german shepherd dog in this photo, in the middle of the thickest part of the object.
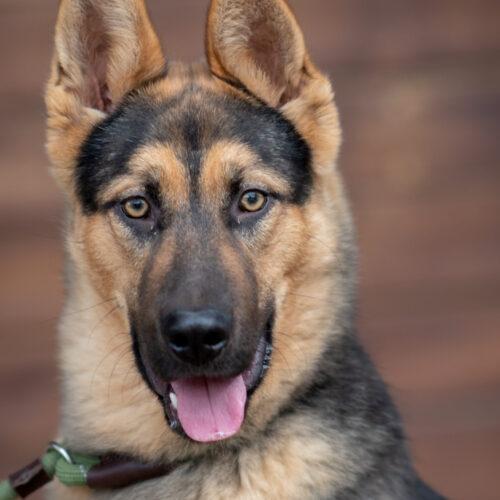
(211, 274)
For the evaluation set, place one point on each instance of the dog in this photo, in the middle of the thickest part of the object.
(211, 265)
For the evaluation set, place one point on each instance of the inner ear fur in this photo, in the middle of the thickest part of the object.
(257, 44)
(103, 50)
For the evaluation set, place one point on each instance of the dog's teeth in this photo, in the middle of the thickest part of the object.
(173, 400)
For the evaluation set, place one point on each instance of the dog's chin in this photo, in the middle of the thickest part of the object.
(210, 409)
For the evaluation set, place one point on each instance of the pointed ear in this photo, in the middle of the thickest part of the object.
(259, 45)
(103, 49)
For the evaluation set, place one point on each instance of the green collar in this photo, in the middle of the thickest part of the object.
(74, 469)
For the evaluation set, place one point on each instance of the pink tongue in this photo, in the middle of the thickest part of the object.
(210, 409)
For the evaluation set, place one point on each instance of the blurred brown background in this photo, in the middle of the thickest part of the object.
(418, 86)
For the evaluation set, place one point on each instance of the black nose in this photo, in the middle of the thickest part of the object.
(197, 337)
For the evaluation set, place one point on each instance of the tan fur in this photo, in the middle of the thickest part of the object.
(106, 404)
(226, 161)
(153, 162)
(316, 118)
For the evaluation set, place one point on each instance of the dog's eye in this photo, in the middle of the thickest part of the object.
(252, 201)
(136, 208)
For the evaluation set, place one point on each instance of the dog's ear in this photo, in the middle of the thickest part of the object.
(103, 50)
(258, 44)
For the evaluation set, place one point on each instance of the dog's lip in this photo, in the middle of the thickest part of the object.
(252, 377)
(254, 374)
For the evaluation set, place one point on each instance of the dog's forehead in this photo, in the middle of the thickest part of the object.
(191, 124)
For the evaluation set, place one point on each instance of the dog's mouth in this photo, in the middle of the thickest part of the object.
(209, 409)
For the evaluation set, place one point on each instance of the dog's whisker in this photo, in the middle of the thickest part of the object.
(124, 383)
(121, 357)
(280, 353)
(138, 386)
(80, 311)
(103, 360)
(140, 382)
(319, 240)
(101, 320)
(284, 334)
(143, 388)
(318, 299)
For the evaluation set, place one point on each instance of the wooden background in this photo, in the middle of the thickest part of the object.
(418, 86)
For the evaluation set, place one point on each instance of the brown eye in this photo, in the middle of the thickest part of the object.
(136, 208)
(252, 201)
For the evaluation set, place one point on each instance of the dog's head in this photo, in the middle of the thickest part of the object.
(205, 201)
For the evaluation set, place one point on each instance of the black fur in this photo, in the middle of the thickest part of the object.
(349, 395)
(192, 122)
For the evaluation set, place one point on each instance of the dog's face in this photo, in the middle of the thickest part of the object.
(203, 200)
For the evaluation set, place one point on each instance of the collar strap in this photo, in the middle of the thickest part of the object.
(72, 469)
